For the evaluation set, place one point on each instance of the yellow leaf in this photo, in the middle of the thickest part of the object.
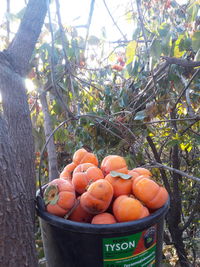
(130, 51)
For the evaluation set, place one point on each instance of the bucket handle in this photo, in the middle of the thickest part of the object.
(74, 118)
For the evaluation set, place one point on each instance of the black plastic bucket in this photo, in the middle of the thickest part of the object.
(72, 244)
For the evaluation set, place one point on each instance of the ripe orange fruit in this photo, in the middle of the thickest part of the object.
(127, 208)
(114, 163)
(59, 197)
(80, 215)
(103, 218)
(84, 174)
(149, 192)
(67, 171)
(98, 197)
(83, 156)
(120, 185)
(142, 171)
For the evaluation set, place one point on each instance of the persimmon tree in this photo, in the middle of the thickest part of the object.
(17, 173)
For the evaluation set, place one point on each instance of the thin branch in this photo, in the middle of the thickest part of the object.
(67, 62)
(186, 87)
(159, 165)
(170, 120)
(188, 128)
(194, 211)
(143, 29)
(89, 21)
(8, 22)
(114, 21)
(181, 62)
(157, 158)
(54, 85)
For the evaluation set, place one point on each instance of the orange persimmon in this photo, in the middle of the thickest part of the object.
(79, 214)
(120, 186)
(98, 197)
(67, 171)
(114, 163)
(103, 218)
(142, 171)
(84, 174)
(83, 156)
(149, 192)
(59, 197)
(127, 208)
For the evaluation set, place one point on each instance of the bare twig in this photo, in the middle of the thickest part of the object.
(53, 80)
(8, 22)
(182, 62)
(194, 211)
(159, 165)
(143, 29)
(188, 128)
(157, 158)
(186, 87)
(89, 21)
(114, 20)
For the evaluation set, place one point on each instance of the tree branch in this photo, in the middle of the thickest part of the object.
(89, 21)
(114, 20)
(157, 158)
(22, 46)
(194, 211)
(51, 149)
(182, 62)
(159, 165)
(186, 87)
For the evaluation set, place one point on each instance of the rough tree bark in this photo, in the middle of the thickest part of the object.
(17, 177)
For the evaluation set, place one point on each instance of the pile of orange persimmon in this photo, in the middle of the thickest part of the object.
(107, 194)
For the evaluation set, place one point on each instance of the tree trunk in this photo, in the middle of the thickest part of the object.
(17, 175)
(51, 149)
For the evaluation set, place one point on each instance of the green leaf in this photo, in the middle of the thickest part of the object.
(196, 40)
(155, 49)
(197, 56)
(93, 40)
(51, 194)
(164, 29)
(121, 175)
(130, 51)
(192, 12)
(179, 46)
(140, 115)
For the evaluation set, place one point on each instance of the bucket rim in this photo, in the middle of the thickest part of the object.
(139, 224)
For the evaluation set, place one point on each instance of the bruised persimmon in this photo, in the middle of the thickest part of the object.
(59, 197)
(114, 163)
(98, 197)
(84, 174)
(120, 185)
(127, 208)
(103, 218)
(79, 214)
(83, 156)
(67, 171)
(149, 192)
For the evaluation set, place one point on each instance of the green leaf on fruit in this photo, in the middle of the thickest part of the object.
(51, 195)
(121, 175)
